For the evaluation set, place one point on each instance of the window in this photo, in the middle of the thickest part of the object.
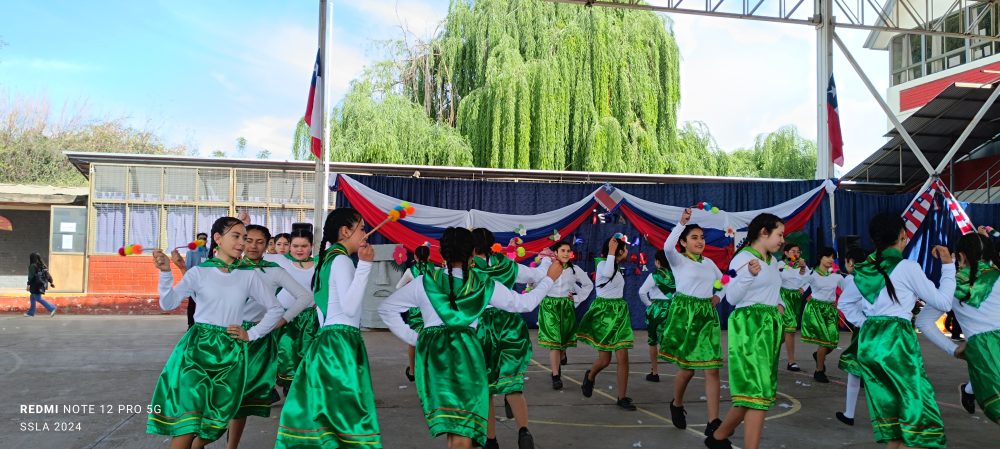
(144, 183)
(109, 227)
(144, 225)
(251, 186)
(109, 182)
(179, 184)
(180, 226)
(282, 219)
(213, 185)
(207, 216)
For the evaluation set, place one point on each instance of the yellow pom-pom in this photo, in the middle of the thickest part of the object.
(128, 250)
(394, 215)
(520, 252)
(405, 204)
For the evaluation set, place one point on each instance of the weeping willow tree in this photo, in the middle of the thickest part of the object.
(539, 85)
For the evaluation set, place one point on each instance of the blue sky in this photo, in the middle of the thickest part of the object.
(205, 73)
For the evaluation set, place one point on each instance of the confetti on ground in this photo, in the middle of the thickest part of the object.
(785, 405)
(637, 444)
(402, 387)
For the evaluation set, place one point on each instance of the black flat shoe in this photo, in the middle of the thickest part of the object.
(626, 403)
(712, 427)
(564, 360)
(844, 419)
(588, 385)
(557, 383)
(793, 367)
(968, 400)
(507, 411)
(491, 443)
(712, 443)
(524, 439)
(409, 375)
(677, 416)
(653, 377)
(820, 376)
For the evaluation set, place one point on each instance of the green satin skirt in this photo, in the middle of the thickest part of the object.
(506, 349)
(819, 324)
(755, 334)
(293, 340)
(451, 382)
(261, 370)
(656, 318)
(415, 319)
(607, 325)
(692, 336)
(793, 303)
(983, 354)
(331, 403)
(201, 386)
(900, 397)
(849, 358)
(557, 323)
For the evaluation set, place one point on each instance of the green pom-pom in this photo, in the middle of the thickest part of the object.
(715, 210)
(718, 284)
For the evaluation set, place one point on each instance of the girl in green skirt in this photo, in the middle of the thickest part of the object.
(557, 314)
(263, 353)
(655, 293)
(331, 403)
(977, 306)
(819, 320)
(607, 325)
(505, 338)
(299, 333)
(451, 371)
(421, 266)
(793, 270)
(691, 336)
(755, 331)
(900, 397)
(201, 386)
(849, 357)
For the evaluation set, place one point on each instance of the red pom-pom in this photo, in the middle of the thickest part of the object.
(193, 245)
(137, 249)
(402, 214)
(410, 210)
(496, 248)
(701, 205)
(121, 251)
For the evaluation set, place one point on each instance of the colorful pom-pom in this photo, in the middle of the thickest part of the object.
(128, 250)
(726, 279)
(715, 210)
(201, 243)
(193, 245)
(732, 273)
(532, 264)
(405, 204)
(520, 251)
(701, 205)
(137, 249)
(511, 255)
(496, 248)
(717, 284)
(410, 210)
(402, 214)
(121, 251)
(707, 205)
(394, 215)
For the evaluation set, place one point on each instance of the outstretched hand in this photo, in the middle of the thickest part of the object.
(685, 217)
(943, 254)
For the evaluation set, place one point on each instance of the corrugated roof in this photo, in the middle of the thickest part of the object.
(934, 128)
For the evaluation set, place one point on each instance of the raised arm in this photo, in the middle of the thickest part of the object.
(264, 296)
(392, 309)
(350, 283)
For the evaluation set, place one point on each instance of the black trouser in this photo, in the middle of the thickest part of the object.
(190, 312)
(951, 324)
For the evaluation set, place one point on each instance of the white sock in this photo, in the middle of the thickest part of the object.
(853, 389)
(968, 388)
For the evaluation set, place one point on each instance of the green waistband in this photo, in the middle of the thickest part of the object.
(248, 324)
(447, 329)
(210, 327)
(689, 297)
(824, 302)
(789, 290)
(995, 333)
(759, 308)
(559, 297)
(887, 318)
(340, 328)
(660, 299)
(608, 299)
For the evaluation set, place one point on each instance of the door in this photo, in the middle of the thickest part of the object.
(67, 243)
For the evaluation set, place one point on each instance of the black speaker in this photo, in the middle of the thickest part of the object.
(305, 226)
(846, 241)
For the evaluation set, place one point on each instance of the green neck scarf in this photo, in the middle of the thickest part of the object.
(697, 258)
(499, 268)
(821, 271)
(867, 277)
(248, 264)
(757, 254)
(664, 280)
(975, 294)
(292, 258)
(422, 268)
(215, 262)
(322, 295)
(471, 295)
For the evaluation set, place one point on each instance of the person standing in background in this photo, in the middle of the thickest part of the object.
(191, 259)
(39, 280)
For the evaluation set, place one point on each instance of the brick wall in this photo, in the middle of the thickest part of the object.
(31, 234)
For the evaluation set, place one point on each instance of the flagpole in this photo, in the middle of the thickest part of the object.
(322, 191)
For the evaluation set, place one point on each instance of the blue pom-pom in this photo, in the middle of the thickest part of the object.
(732, 273)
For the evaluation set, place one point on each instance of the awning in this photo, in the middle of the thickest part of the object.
(934, 127)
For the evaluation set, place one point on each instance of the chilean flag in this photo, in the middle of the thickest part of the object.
(314, 109)
(833, 122)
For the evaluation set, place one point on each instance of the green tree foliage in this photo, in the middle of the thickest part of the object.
(780, 154)
(31, 143)
(539, 85)
(264, 154)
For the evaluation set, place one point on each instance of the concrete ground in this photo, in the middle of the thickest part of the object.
(110, 363)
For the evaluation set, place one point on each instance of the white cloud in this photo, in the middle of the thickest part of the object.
(273, 133)
(417, 17)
